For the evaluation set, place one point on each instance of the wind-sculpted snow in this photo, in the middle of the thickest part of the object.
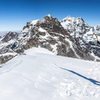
(44, 76)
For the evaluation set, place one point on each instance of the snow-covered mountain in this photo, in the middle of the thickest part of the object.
(86, 34)
(71, 37)
(78, 27)
(41, 75)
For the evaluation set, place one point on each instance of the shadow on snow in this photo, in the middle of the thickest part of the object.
(95, 82)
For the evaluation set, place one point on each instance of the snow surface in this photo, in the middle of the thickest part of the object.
(40, 75)
(33, 22)
(27, 29)
(41, 29)
(38, 50)
(9, 53)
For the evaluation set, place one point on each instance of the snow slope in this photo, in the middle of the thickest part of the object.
(40, 75)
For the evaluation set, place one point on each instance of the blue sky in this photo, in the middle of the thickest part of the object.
(15, 13)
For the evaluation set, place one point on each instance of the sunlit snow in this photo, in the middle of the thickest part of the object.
(40, 75)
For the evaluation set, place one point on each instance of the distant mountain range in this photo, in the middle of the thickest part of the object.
(71, 37)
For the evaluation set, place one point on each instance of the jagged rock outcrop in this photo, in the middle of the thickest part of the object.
(9, 36)
(5, 58)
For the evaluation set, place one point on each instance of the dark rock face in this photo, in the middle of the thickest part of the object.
(51, 25)
(5, 58)
(50, 34)
(95, 47)
(9, 36)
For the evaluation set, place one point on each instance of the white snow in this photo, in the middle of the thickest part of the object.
(34, 22)
(26, 30)
(41, 29)
(38, 50)
(66, 21)
(39, 75)
(54, 47)
(71, 46)
(9, 53)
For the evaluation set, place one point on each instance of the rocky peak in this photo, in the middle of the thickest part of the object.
(9, 36)
(51, 24)
(75, 25)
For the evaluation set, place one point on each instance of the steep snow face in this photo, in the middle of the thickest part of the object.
(39, 76)
(67, 20)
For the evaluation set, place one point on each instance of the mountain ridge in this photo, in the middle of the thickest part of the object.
(71, 37)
